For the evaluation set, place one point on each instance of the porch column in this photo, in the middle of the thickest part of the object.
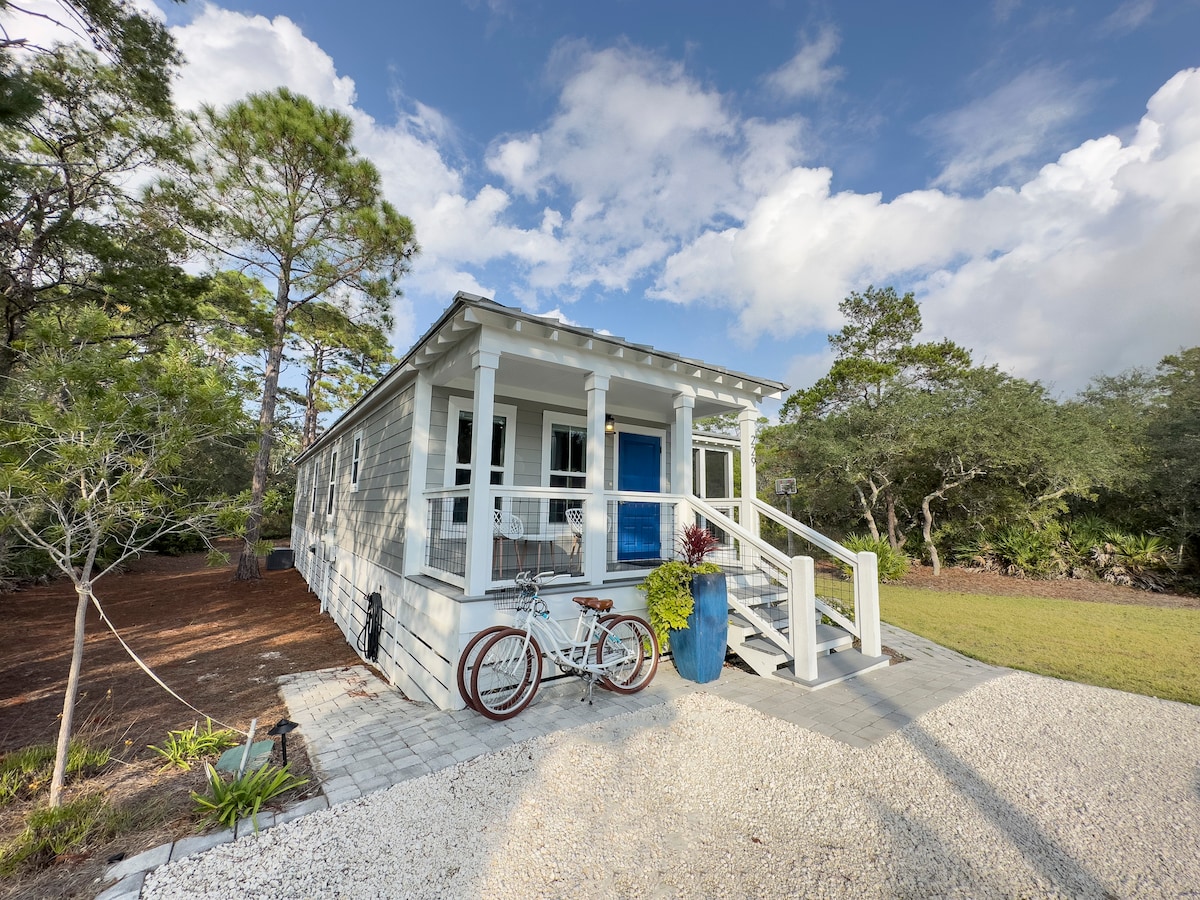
(479, 507)
(595, 520)
(681, 457)
(747, 419)
(416, 519)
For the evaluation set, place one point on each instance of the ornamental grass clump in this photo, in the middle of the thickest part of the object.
(188, 745)
(228, 802)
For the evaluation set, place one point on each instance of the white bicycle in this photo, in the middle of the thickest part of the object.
(501, 668)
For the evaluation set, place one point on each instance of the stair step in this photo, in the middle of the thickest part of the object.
(834, 668)
(829, 638)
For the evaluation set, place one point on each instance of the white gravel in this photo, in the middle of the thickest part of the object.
(1023, 787)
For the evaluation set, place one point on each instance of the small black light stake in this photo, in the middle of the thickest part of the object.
(282, 728)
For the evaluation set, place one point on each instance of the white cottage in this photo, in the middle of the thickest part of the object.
(590, 468)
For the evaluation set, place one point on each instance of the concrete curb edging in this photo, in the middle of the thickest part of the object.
(131, 873)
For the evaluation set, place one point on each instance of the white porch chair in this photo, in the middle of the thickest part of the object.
(505, 527)
(575, 520)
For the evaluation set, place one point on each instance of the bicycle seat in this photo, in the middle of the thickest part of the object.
(594, 603)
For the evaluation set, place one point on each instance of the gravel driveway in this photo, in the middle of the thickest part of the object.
(1024, 786)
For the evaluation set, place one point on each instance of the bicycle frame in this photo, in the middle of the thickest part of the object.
(574, 655)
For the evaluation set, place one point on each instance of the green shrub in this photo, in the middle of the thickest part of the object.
(1135, 560)
(26, 772)
(668, 591)
(52, 831)
(893, 564)
(188, 745)
(1021, 550)
(227, 802)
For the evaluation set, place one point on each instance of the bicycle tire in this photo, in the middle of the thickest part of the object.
(510, 665)
(467, 662)
(634, 636)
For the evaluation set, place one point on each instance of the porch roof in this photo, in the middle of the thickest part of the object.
(468, 313)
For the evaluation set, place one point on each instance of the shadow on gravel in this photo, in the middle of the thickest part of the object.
(1054, 863)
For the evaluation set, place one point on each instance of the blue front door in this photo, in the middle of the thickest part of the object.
(639, 461)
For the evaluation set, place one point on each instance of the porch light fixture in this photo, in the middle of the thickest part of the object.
(610, 425)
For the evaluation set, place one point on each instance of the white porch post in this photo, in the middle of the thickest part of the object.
(595, 519)
(681, 457)
(747, 419)
(416, 522)
(479, 509)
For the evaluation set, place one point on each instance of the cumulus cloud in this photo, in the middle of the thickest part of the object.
(1100, 246)
(997, 136)
(645, 172)
(808, 73)
(640, 156)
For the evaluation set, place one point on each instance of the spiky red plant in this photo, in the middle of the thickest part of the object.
(696, 543)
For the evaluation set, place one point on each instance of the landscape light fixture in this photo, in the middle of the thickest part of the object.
(610, 425)
(282, 727)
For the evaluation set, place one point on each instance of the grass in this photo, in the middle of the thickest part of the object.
(26, 772)
(1141, 649)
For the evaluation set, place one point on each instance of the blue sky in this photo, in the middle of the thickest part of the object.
(713, 178)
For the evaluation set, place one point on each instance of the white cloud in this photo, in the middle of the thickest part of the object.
(1088, 267)
(999, 135)
(1129, 16)
(638, 157)
(808, 73)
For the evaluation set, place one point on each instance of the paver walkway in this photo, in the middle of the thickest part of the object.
(363, 735)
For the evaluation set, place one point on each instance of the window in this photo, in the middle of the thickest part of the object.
(568, 456)
(461, 433)
(332, 482)
(716, 469)
(564, 460)
(315, 486)
(355, 461)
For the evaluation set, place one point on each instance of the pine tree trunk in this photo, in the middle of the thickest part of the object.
(68, 713)
(247, 568)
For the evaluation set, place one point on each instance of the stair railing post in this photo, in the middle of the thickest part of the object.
(866, 603)
(802, 617)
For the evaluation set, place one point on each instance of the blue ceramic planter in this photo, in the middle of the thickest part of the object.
(699, 649)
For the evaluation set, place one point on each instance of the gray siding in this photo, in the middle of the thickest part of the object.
(439, 411)
(371, 520)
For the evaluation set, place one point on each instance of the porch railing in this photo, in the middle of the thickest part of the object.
(530, 528)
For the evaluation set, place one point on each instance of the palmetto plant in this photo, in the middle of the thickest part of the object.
(1136, 560)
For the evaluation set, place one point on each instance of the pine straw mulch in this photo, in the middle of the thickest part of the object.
(218, 643)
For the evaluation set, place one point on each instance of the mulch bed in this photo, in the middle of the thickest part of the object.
(218, 643)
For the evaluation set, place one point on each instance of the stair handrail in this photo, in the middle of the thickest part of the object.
(777, 557)
(727, 524)
(828, 544)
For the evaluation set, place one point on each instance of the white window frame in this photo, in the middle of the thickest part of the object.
(356, 461)
(460, 405)
(330, 507)
(316, 485)
(549, 420)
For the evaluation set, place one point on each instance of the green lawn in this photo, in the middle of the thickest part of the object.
(1146, 650)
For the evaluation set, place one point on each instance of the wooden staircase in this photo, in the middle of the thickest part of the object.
(761, 580)
(837, 659)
